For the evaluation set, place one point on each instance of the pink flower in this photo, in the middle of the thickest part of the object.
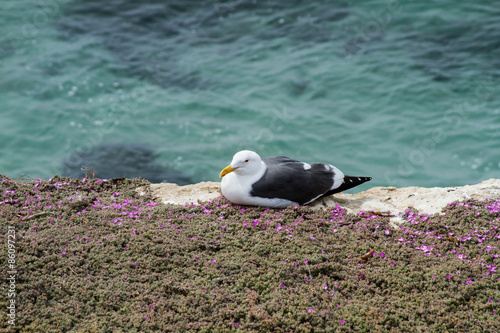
(425, 248)
(310, 310)
(342, 321)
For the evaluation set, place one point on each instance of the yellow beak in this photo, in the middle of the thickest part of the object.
(227, 170)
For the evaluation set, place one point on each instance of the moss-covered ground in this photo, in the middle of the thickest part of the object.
(94, 256)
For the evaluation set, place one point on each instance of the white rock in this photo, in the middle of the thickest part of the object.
(169, 193)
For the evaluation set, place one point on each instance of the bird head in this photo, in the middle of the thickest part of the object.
(245, 162)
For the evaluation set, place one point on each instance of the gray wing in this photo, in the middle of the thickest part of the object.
(286, 179)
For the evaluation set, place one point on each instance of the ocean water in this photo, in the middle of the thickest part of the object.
(406, 92)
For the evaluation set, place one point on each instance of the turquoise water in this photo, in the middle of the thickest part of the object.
(401, 91)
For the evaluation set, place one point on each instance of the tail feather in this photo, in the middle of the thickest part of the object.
(349, 182)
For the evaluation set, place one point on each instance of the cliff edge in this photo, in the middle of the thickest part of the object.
(383, 199)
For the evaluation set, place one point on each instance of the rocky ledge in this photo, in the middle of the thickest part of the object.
(390, 200)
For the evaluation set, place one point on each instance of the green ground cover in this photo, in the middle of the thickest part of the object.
(94, 256)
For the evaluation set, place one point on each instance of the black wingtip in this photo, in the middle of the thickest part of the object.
(349, 182)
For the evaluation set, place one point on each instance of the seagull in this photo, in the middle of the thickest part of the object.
(279, 181)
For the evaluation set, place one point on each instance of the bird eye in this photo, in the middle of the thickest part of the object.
(246, 161)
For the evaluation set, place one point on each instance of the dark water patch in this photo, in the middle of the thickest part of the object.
(144, 38)
(149, 38)
(298, 87)
(445, 52)
(307, 23)
(121, 160)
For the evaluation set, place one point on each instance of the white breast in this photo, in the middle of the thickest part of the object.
(234, 189)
